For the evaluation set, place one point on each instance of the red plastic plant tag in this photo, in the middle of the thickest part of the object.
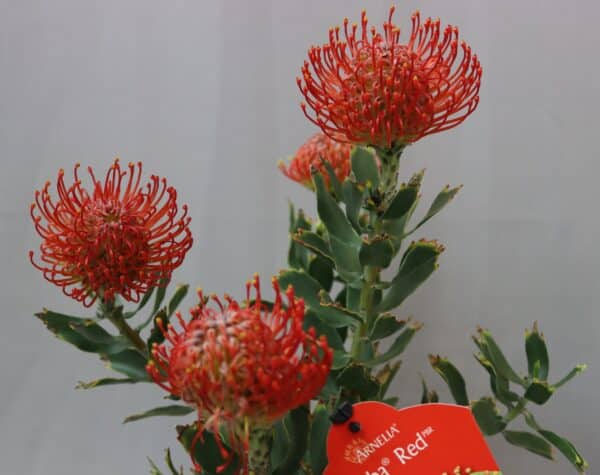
(430, 439)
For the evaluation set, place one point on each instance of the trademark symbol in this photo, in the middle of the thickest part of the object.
(385, 461)
(427, 431)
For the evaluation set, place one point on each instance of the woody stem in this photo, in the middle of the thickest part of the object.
(114, 314)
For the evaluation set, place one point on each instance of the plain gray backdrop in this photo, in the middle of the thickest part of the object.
(204, 92)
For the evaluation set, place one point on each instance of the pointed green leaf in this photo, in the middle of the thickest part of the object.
(574, 372)
(103, 382)
(418, 263)
(427, 396)
(353, 199)
(499, 384)
(180, 293)
(340, 359)
(452, 377)
(321, 270)
(142, 303)
(567, 449)
(318, 439)
(160, 294)
(399, 345)
(440, 201)
(385, 325)
(385, 376)
(489, 420)
(296, 426)
(537, 354)
(335, 186)
(405, 199)
(494, 354)
(529, 441)
(377, 252)
(314, 243)
(129, 362)
(364, 166)
(308, 288)
(172, 410)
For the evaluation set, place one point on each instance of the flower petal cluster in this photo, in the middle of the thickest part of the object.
(366, 87)
(312, 155)
(117, 237)
(244, 365)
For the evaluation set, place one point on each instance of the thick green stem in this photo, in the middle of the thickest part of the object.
(259, 450)
(114, 314)
(390, 167)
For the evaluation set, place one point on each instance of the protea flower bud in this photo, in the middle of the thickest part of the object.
(118, 237)
(366, 87)
(242, 366)
(312, 155)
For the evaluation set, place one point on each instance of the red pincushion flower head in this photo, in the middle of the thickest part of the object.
(119, 237)
(366, 87)
(242, 365)
(311, 155)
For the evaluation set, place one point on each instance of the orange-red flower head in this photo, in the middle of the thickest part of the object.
(312, 154)
(366, 87)
(242, 365)
(118, 237)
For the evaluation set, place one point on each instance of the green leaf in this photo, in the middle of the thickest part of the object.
(320, 270)
(399, 345)
(314, 243)
(103, 382)
(347, 262)
(357, 379)
(440, 201)
(500, 385)
(141, 305)
(418, 263)
(487, 416)
(353, 198)
(340, 359)
(333, 217)
(385, 376)
(84, 334)
(377, 252)
(529, 441)
(539, 392)
(172, 410)
(385, 325)
(574, 372)
(452, 377)
(334, 184)
(567, 449)
(428, 396)
(205, 451)
(161, 291)
(493, 353)
(405, 199)
(308, 288)
(537, 354)
(333, 337)
(171, 465)
(154, 470)
(364, 167)
(296, 428)
(129, 362)
(180, 293)
(318, 439)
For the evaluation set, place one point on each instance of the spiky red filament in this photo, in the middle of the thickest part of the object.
(118, 237)
(313, 154)
(242, 365)
(367, 87)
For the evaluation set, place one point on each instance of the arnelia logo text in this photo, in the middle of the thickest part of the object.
(360, 450)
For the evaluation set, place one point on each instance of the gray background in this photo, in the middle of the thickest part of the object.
(204, 92)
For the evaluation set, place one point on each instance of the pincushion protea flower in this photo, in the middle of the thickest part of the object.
(119, 237)
(366, 87)
(242, 366)
(311, 155)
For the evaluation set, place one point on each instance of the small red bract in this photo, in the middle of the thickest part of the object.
(312, 154)
(242, 367)
(366, 87)
(118, 238)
